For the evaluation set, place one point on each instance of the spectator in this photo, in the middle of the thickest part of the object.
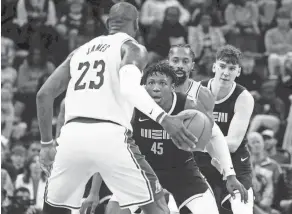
(214, 8)
(153, 12)
(33, 149)
(6, 183)
(37, 12)
(205, 38)
(7, 113)
(171, 33)
(31, 70)
(34, 179)
(242, 16)
(278, 43)
(284, 89)
(8, 14)
(21, 204)
(287, 142)
(248, 77)
(267, 12)
(270, 141)
(266, 175)
(286, 192)
(8, 73)
(269, 110)
(18, 155)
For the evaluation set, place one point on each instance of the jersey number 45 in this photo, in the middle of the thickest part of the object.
(98, 67)
(157, 148)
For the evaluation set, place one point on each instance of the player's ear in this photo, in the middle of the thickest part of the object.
(107, 24)
(214, 67)
(136, 25)
(172, 87)
(239, 72)
(193, 65)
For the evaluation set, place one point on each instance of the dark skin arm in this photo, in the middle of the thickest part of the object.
(52, 88)
(133, 53)
(205, 103)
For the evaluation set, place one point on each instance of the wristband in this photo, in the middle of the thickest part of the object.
(47, 143)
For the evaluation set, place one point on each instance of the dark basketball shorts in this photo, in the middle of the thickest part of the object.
(241, 163)
(184, 183)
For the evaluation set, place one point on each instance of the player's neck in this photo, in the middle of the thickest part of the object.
(220, 91)
(168, 104)
(183, 87)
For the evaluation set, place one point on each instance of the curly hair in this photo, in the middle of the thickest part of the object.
(161, 67)
(183, 46)
(229, 54)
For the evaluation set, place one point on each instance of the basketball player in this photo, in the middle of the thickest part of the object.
(233, 109)
(102, 79)
(176, 169)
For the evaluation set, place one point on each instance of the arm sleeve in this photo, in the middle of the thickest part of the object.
(130, 78)
(218, 149)
(239, 124)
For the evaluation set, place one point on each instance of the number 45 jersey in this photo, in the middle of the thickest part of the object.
(155, 143)
(94, 88)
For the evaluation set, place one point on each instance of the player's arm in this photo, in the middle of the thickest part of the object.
(61, 118)
(239, 124)
(217, 147)
(206, 98)
(218, 150)
(197, 105)
(134, 60)
(53, 87)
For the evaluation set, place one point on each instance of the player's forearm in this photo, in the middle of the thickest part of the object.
(45, 115)
(220, 151)
(96, 183)
(236, 134)
(130, 77)
(61, 119)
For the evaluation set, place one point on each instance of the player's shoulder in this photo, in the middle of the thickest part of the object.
(134, 47)
(245, 97)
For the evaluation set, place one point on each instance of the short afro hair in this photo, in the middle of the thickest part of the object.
(161, 67)
(229, 54)
(183, 46)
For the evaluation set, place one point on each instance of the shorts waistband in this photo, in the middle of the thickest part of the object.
(89, 120)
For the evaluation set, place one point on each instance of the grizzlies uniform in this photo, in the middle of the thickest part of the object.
(175, 168)
(223, 113)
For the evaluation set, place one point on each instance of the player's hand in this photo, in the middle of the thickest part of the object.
(233, 184)
(47, 157)
(91, 201)
(179, 134)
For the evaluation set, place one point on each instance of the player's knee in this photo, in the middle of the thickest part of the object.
(158, 207)
(113, 207)
(239, 207)
(199, 204)
(48, 209)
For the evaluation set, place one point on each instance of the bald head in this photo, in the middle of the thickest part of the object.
(123, 11)
(123, 17)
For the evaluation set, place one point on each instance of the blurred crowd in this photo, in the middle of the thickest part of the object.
(37, 35)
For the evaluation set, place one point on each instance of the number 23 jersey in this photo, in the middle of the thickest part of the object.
(155, 143)
(94, 87)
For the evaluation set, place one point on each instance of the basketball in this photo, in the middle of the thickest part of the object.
(200, 126)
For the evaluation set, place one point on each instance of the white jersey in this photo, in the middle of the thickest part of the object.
(193, 90)
(94, 88)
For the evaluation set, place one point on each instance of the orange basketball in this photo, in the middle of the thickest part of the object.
(200, 126)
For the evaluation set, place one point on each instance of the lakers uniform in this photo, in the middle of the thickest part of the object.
(97, 127)
(175, 168)
(223, 113)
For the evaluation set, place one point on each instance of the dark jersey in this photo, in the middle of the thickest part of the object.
(224, 109)
(155, 143)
